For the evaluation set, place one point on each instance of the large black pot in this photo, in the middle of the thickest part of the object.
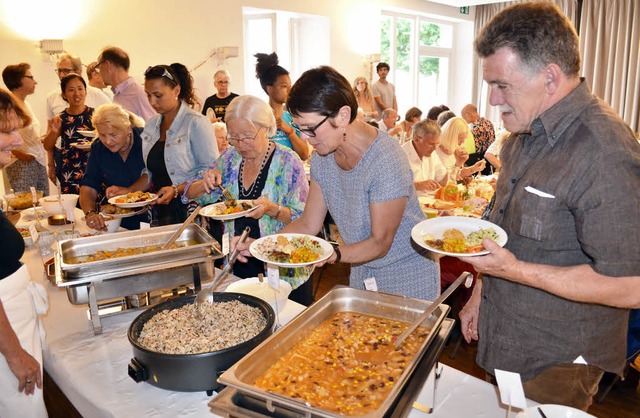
(191, 372)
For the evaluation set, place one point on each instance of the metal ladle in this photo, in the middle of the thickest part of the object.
(205, 296)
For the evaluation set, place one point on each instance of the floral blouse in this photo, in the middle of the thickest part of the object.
(74, 160)
(286, 185)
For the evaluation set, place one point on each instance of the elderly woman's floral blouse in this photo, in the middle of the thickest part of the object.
(286, 185)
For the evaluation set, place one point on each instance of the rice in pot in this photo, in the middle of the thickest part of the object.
(184, 330)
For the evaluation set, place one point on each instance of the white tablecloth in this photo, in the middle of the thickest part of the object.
(91, 370)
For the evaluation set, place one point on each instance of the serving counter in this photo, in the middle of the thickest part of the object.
(91, 370)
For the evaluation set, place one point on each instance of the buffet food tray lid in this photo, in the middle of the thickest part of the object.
(244, 373)
(200, 244)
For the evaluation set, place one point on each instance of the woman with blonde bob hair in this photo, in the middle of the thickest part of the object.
(451, 152)
(115, 162)
(263, 171)
(365, 98)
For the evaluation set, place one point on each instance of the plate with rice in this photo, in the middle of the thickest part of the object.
(291, 250)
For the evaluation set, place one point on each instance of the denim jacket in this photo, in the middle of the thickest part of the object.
(190, 147)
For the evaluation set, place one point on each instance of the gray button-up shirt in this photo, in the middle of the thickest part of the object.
(568, 194)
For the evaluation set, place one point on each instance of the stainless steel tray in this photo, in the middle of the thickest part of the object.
(230, 402)
(202, 246)
(244, 373)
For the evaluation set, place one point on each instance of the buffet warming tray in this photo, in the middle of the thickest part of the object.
(103, 280)
(244, 373)
(230, 402)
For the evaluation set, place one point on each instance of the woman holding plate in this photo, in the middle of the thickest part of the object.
(178, 143)
(257, 169)
(115, 162)
(363, 179)
(67, 125)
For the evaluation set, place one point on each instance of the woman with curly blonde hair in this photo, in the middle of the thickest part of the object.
(452, 153)
(365, 98)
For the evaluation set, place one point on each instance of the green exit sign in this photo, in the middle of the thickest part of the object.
(464, 10)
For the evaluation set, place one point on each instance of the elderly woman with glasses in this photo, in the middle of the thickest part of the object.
(177, 143)
(269, 174)
(363, 179)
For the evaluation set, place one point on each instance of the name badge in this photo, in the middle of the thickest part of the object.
(370, 284)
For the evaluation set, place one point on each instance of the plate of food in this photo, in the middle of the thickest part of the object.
(457, 236)
(83, 145)
(291, 250)
(134, 199)
(119, 212)
(553, 411)
(222, 212)
(88, 134)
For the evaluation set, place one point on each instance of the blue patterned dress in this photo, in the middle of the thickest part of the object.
(74, 160)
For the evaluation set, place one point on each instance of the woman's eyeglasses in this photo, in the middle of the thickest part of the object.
(235, 139)
(165, 72)
(310, 131)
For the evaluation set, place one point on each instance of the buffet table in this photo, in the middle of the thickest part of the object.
(91, 370)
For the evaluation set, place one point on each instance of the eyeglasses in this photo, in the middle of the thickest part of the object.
(244, 138)
(222, 82)
(96, 68)
(28, 76)
(65, 71)
(310, 132)
(165, 73)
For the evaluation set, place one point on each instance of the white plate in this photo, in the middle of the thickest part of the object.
(326, 248)
(553, 411)
(211, 211)
(126, 215)
(30, 214)
(88, 134)
(82, 145)
(436, 227)
(253, 287)
(154, 197)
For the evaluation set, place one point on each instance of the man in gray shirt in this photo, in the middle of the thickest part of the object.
(567, 198)
(384, 93)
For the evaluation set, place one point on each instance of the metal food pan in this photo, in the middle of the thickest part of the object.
(201, 245)
(245, 372)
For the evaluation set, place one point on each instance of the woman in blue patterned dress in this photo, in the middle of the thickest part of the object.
(363, 179)
(76, 117)
(263, 171)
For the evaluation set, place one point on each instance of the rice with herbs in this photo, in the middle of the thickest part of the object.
(184, 330)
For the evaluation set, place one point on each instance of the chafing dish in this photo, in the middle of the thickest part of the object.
(243, 374)
(103, 280)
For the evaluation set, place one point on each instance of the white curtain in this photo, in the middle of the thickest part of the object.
(610, 45)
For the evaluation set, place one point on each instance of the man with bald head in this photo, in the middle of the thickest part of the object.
(113, 65)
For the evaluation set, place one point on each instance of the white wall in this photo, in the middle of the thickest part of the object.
(166, 31)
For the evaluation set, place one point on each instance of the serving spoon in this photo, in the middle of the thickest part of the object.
(205, 295)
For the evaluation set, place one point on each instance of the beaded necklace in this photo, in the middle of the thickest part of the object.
(265, 158)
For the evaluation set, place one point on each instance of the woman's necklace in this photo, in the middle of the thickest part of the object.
(125, 153)
(265, 158)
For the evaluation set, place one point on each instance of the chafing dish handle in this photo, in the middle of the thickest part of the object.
(58, 266)
(137, 371)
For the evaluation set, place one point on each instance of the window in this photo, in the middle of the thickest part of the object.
(419, 52)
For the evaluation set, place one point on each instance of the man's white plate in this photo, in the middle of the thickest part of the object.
(88, 134)
(327, 250)
(212, 211)
(435, 227)
(553, 411)
(114, 199)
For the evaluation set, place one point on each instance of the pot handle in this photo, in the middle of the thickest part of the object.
(137, 371)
